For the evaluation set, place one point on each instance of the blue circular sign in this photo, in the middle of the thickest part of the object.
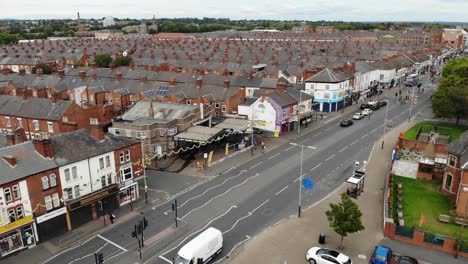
(307, 183)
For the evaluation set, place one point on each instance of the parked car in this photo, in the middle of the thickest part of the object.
(346, 123)
(407, 260)
(358, 116)
(382, 103)
(365, 106)
(317, 255)
(381, 255)
(366, 112)
(375, 107)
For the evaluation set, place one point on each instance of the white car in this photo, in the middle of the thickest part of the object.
(317, 255)
(358, 116)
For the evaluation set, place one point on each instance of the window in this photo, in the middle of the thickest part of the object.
(19, 212)
(12, 215)
(223, 108)
(45, 183)
(20, 122)
(117, 100)
(127, 155)
(285, 114)
(327, 87)
(16, 193)
(189, 102)
(116, 131)
(36, 125)
(122, 157)
(216, 104)
(103, 181)
(172, 144)
(52, 180)
(65, 119)
(74, 174)
(69, 193)
(107, 161)
(172, 131)
(56, 200)
(48, 202)
(50, 126)
(109, 179)
(140, 134)
(93, 121)
(448, 182)
(67, 174)
(452, 161)
(7, 193)
(8, 121)
(77, 191)
(126, 174)
(101, 163)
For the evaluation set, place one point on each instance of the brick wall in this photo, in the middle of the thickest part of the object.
(421, 146)
(36, 192)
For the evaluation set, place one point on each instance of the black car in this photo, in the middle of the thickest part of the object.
(407, 260)
(365, 106)
(382, 103)
(346, 123)
(375, 107)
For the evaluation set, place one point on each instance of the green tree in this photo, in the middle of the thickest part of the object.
(451, 98)
(122, 61)
(103, 60)
(345, 217)
(45, 68)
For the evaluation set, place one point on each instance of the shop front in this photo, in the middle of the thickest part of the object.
(18, 235)
(128, 192)
(51, 224)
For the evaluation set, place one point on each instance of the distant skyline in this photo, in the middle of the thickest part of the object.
(312, 10)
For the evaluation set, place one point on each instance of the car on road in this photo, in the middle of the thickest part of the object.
(407, 260)
(365, 106)
(317, 255)
(381, 255)
(366, 112)
(375, 107)
(204, 247)
(358, 116)
(346, 123)
(382, 103)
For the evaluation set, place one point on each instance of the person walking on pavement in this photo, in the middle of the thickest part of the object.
(263, 147)
(111, 217)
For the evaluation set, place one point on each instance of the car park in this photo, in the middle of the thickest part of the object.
(366, 112)
(346, 123)
(358, 116)
(381, 255)
(317, 255)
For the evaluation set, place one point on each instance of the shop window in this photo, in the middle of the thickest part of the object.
(48, 202)
(448, 182)
(12, 215)
(52, 180)
(7, 193)
(107, 161)
(126, 174)
(122, 157)
(56, 200)
(127, 155)
(77, 191)
(67, 175)
(452, 161)
(16, 192)
(19, 212)
(11, 243)
(101, 163)
(45, 183)
(74, 174)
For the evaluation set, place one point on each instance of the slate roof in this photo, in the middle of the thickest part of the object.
(28, 162)
(80, 145)
(329, 76)
(3, 141)
(37, 108)
(459, 147)
(281, 98)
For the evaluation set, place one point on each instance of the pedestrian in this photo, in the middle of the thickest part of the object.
(321, 116)
(263, 147)
(111, 217)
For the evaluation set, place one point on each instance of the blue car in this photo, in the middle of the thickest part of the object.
(381, 255)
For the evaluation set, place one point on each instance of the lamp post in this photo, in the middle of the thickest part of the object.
(299, 210)
(385, 122)
(411, 103)
(251, 125)
(144, 169)
(299, 112)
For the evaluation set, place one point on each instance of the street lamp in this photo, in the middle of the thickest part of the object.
(251, 127)
(299, 111)
(411, 103)
(144, 168)
(300, 177)
(385, 122)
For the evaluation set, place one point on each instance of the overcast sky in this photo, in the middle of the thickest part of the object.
(312, 10)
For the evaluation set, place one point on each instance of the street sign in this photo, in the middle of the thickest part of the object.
(307, 183)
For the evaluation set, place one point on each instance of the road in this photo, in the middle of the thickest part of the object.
(249, 198)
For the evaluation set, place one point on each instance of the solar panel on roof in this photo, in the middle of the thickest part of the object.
(162, 90)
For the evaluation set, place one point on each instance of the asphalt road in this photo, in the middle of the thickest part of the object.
(245, 200)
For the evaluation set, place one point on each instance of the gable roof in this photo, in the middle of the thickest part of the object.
(329, 76)
(459, 147)
(37, 108)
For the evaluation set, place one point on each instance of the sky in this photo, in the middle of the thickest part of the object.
(311, 10)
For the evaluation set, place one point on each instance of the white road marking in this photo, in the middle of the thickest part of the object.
(361, 256)
(249, 214)
(281, 190)
(256, 165)
(364, 136)
(304, 140)
(289, 148)
(318, 134)
(329, 158)
(235, 246)
(375, 129)
(107, 259)
(107, 240)
(273, 156)
(318, 165)
(343, 149)
(256, 175)
(163, 258)
(259, 206)
(354, 142)
(101, 248)
(230, 178)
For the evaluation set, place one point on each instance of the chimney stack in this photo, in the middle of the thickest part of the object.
(10, 138)
(118, 76)
(151, 111)
(82, 75)
(22, 72)
(199, 82)
(61, 73)
(97, 131)
(44, 147)
(39, 71)
(10, 159)
(93, 76)
(143, 79)
(226, 83)
(173, 81)
(281, 86)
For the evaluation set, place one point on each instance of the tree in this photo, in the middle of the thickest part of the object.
(103, 60)
(122, 61)
(451, 98)
(345, 217)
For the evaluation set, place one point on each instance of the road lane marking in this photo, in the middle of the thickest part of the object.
(273, 156)
(238, 220)
(256, 175)
(69, 249)
(364, 136)
(233, 248)
(316, 167)
(318, 134)
(354, 142)
(289, 148)
(107, 240)
(360, 256)
(209, 189)
(109, 258)
(101, 247)
(375, 129)
(329, 158)
(163, 258)
(259, 206)
(343, 149)
(281, 190)
(256, 165)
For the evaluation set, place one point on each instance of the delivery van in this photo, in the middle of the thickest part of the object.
(202, 248)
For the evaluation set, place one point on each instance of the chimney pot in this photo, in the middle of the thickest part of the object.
(10, 159)
(44, 147)
(118, 76)
(199, 82)
(97, 131)
(173, 81)
(226, 83)
(82, 75)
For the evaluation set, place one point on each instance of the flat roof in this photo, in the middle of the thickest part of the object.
(235, 124)
(198, 134)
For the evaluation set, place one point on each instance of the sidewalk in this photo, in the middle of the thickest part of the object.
(289, 241)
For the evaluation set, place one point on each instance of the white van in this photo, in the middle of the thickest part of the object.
(202, 248)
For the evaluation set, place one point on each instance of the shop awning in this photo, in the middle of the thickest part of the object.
(199, 134)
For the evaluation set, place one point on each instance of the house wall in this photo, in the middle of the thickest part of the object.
(38, 194)
(462, 198)
(23, 201)
(265, 118)
(82, 180)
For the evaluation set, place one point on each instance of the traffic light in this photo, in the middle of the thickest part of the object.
(99, 258)
(173, 206)
(145, 222)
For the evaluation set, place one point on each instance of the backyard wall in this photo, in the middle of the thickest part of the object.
(420, 145)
